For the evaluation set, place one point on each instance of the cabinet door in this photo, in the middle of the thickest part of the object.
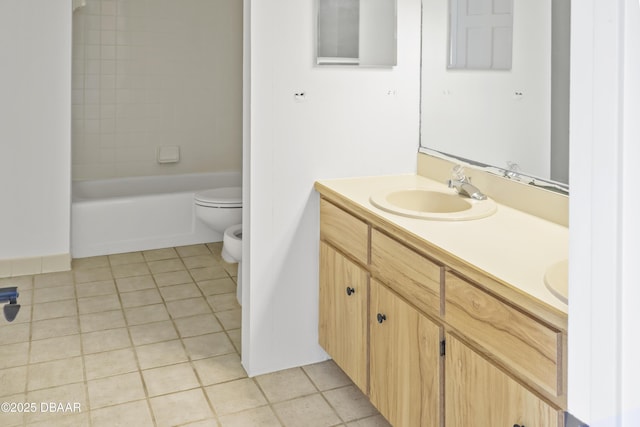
(405, 368)
(477, 393)
(343, 313)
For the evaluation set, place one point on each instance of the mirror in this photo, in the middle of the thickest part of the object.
(355, 32)
(515, 121)
(480, 34)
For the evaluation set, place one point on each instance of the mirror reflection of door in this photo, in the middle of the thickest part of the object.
(481, 33)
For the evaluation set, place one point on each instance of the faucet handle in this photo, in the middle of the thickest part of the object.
(512, 171)
(458, 173)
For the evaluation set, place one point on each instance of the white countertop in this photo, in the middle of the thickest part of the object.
(510, 245)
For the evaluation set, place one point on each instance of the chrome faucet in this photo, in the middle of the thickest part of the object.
(463, 185)
(512, 171)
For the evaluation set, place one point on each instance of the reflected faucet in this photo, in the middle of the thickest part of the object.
(463, 185)
(512, 171)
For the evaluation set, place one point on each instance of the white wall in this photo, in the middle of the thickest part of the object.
(604, 249)
(630, 298)
(349, 125)
(475, 114)
(156, 73)
(35, 88)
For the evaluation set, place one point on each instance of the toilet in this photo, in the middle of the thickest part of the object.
(219, 208)
(232, 252)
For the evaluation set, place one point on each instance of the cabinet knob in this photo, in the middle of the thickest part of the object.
(350, 290)
(381, 318)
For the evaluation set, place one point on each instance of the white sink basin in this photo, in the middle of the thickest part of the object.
(556, 279)
(427, 203)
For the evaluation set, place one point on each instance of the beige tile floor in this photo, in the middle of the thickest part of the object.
(152, 338)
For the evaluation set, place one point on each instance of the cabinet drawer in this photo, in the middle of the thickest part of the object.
(410, 274)
(344, 231)
(479, 394)
(517, 340)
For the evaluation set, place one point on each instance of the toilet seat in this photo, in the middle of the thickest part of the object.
(224, 197)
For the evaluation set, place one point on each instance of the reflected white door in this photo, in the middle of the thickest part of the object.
(481, 34)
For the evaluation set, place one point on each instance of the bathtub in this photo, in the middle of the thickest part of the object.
(133, 214)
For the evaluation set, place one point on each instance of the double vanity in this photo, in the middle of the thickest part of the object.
(436, 304)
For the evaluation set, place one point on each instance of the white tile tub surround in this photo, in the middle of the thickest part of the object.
(148, 74)
(140, 213)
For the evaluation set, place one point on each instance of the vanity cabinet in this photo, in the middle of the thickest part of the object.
(412, 275)
(430, 340)
(344, 292)
(522, 343)
(480, 394)
(343, 313)
(405, 370)
(345, 232)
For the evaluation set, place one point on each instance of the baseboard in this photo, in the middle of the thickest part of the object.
(35, 265)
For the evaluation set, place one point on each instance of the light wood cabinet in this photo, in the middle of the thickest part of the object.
(343, 313)
(405, 368)
(344, 231)
(388, 303)
(521, 342)
(479, 394)
(412, 275)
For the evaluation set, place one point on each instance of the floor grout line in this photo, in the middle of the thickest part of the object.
(205, 266)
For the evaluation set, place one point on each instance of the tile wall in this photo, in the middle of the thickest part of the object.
(151, 73)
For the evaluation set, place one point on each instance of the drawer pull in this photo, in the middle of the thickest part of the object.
(350, 291)
(518, 425)
(381, 318)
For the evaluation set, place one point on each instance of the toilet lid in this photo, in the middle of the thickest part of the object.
(225, 197)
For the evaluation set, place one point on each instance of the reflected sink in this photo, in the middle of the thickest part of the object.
(427, 203)
(556, 279)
